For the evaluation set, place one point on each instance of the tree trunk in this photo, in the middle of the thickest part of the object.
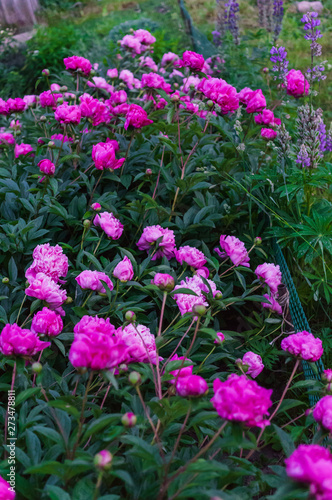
(18, 12)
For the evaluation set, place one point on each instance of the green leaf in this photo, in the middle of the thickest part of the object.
(57, 493)
(285, 439)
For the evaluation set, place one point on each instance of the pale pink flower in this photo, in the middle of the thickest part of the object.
(110, 224)
(16, 341)
(163, 281)
(100, 83)
(235, 250)
(148, 62)
(124, 270)
(155, 81)
(112, 73)
(132, 43)
(44, 288)
(303, 345)
(166, 244)
(270, 274)
(47, 322)
(49, 260)
(191, 255)
(140, 341)
(190, 81)
(273, 305)
(168, 58)
(242, 400)
(144, 37)
(92, 280)
(254, 363)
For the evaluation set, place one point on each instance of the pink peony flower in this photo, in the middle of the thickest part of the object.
(187, 302)
(49, 99)
(312, 464)
(112, 73)
(46, 167)
(88, 325)
(323, 412)
(7, 138)
(191, 255)
(96, 207)
(15, 125)
(103, 459)
(16, 105)
(6, 491)
(140, 341)
(155, 81)
(144, 37)
(22, 150)
(103, 155)
(164, 281)
(191, 386)
(118, 97)
(273, 305)
(256, 102)
(44, 288)
(4, 108)
(304, 345)
(169, 58)
(100, 83)
(270, 274)
(110, 224)
(244, 95)
(235, 250)
(61, 138)
(30, 100)
(148, 62)
(97, 351)
(128, 77)
(190, 81)
(68, 114)
(220, 338)
(266, 118)
(55, 87)
(297, 85)
(192, 60)
(47, 322)
(268, 133)
(77, 63)
(203, 271)
(124, 270)
(136, 117)
(132, 43)
(221, 93)
(16, 341)
(49, 260)
(185, 371)
(242, 400)
(254, 363)
(166, 244)
(327, 375)
(91, 280)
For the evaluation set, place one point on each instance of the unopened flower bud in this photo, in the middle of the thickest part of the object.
(258, 240)
(63, 88)
(41, 141)
(18, 132)
(5, 281)
(134, 378)
(42, 118)
(210, 104)
(60, 100)
(165, 282)
(130, 316)
(96, 207)
(36, 367)
(123, 367)
(129, 419)
(82, 370)
(265, 70)
(175, 98)
(326, 375)
(86, 223)
(176, 85)
(103, 460)
(46, 72)
(51, 145)
(242, 366)
(218, 296)
(220, 338)
(199, 309)
(69, 300)
(148, 171)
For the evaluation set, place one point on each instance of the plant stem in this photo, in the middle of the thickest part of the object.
(7, 411)
(98, 484)
(81, 422)
(162, 313)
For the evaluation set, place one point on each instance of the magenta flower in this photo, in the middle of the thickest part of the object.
(266, 117)
(192, 60)
(220, 338)
(312, 464)
(254, 363)
(47, 322)
(22, 150)
(4, 110)
(91, 280)
(303, 345)
(219, 91)
(268, 133)
(187, 302)
(144, 37)
(77, 63)
(16, 105)
(124, 270)
(140, 341)
(270, 274)
(151, 234)
(323, 412)
(235, 250)
(136, 117)
(242, 400)
(16, 341)
(155, 81)
(97, 351)
(327, 375)
(191, 255)
(90, 324)
(68, 114)
(44, 288)
(273, 305)
(110, 224)
(7, 492)
(49, 260)
(191, 386)
(203, 271)
(132, 43)
(103, 155)
(112, 73)
(256, 102)
(244, 95)
(46, 167)
(61, 138)
(163, 281)
(30, 100)
(100, 83)
(96, 206)
(185, 371)
(7, 138)
(49, 99)
(297, 85)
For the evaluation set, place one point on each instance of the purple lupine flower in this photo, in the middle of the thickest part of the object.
(216, 38)
(322, 136)
(220, 21)
(311, 22)
(278, 14)
(278, 57)
(328, 144)
(231, 19)
(303, 157)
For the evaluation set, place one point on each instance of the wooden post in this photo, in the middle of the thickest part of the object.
(18, 12)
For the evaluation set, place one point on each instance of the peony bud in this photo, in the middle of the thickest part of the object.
(164, 282)
(265, 70)
(176, 85)
(60, 100)
(51, 145)
(5, 281)
(258, 240)
(96, 207)
(210, 104)
(148, 171)
(63, 88)
(199, 309)
(103, 460)
(40, 141)
(46, 72)
(134, 378)
(43, 118)
(175, 98)
(69, 300)
(220, 338)
(326, 375)
(130, 316)
(218, 296)
(123, 367)
(36, 367)
(129, 419)
(86, 223)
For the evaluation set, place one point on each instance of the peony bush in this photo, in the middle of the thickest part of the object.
(143, 330)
